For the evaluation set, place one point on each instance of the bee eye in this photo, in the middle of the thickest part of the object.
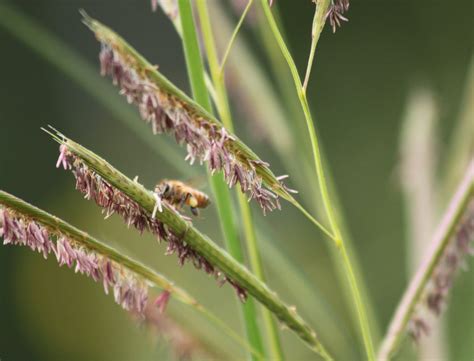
(167, 189)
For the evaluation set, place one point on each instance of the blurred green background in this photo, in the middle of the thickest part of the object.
(362, 79)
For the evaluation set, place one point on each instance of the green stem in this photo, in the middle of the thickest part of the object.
(313, 220)
(271, 327)
(318, 23)
(298, 131)
(223, 198)
(234, 36)
(364, 325)
(439, 243)
(58, 226)
(276, 350)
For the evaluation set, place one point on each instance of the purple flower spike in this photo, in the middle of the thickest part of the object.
(112, 200)
(205, 140)
(130, 291)
(451, 262)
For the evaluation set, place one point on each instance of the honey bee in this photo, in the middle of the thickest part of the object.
(178, 194)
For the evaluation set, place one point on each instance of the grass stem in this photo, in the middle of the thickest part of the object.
(233, 37)
(289, 101)
(363, 321)
(276, 350)
(221, 192)
(318, 23)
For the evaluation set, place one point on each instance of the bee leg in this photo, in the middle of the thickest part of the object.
(158, 206)
(194, 211)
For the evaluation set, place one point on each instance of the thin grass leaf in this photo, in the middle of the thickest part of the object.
(429, 288)
(247, 85)
(275, 348)
(224, 204)
(190, 236)
(233, 37)
(320, 13)
(258, 97)
(323, 187)
(289, 100)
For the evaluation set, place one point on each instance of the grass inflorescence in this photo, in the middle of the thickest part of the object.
(430, 286)
(25, 225)
(113, 200)
(169, 110)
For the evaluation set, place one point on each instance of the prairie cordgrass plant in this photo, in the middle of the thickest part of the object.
(249, 196)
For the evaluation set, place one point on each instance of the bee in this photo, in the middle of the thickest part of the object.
(178, 194)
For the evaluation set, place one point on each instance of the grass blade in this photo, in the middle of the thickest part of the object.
(317, 157)
(223, 198)
(275, 348)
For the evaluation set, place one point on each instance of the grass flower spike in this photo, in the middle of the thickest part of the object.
(169, 110)
(451, 262)
(113, 200)
(429, 288)
(129, 290)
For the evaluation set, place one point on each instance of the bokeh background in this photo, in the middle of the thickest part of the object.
(363, 79)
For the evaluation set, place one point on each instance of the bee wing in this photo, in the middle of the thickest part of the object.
(198, 182)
